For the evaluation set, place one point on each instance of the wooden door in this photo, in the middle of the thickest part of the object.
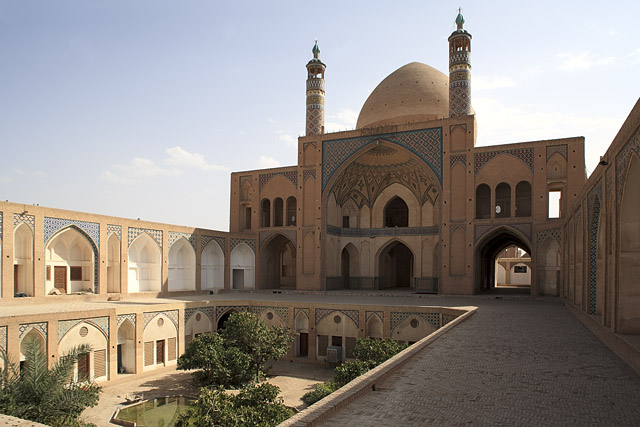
(60, 278)
(304, 344)
(83, 366)
(160, 351)
(16, 272)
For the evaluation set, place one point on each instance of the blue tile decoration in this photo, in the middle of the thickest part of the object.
(219, 240)
(457, 158)
(130, 317)
(448, 318)
(30, 220)
(398, 317)
(91, 230)
(134, 232)
(524, 154)
(593, 254)
(321, 313)
(3, 338)
(425, 143)
(207, 311)
(378, 314)
(387, 231)
(553, 149)
(1, 221)
(553, 232)
(115, 229)
(622, 162)
(283, 312)
(174, 236)
(249, 242)
(102, 323)
(171, 314)
(41, 327)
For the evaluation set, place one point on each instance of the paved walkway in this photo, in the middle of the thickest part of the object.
(515, 362)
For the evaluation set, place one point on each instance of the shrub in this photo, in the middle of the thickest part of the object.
(319, 391)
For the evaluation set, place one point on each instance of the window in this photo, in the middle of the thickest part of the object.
(75, 273)
(278, 212)
(266, 213)
(555, 199)
(523, 199)
(503, 200)
(247, 218)
(345, 221)
(396, 213)
(483, 201)
(520, 269)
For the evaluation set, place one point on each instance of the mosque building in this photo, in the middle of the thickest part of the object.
(406, 201)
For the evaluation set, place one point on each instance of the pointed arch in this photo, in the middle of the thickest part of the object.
(549, 262)
(145, 265)
(242, 267)
(182, 266)
(350, 266)
(71, 258)
(395, 265)
(126, 350)
(23, 260)
(374, 327)
(278, 263)
(113, 264)
(34, 335)
(212, 267)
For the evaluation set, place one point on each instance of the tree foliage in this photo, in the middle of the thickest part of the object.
(253, 406)
(349, 371)
(319, 392)
(237, 354)
(377, 350)
(47, 396)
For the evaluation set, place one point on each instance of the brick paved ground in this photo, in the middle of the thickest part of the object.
(515, 362)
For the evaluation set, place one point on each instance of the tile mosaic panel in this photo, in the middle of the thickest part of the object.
(593, 255)
(398, 317)
(220, 311)
(553, 232)
(116, 229)
(3, 338)
(290, 175)
(148, 317)
(221, 241)
(102, 323)
(321, 313)
(425, 143)
(130, 317)
(482, 158)
(43, 327)
(207, 311)
(457, 158)
(369, 314)
(553, 149)
(249, 242)
(622, 162)
(300, 310)
(308, 173)
(174, 236)
(134, 232)
(30, 220)
(283, 312)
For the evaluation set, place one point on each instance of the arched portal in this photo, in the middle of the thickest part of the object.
(395, 265)
(182, 266)
(69, 263)
(23, 261)
(511, 250)
(278, 264)
(223, 319)
(396, 213)
(242, 267)
(302, 334)
(350, 271)
(212, 269)
(145, 263)
(126, 351)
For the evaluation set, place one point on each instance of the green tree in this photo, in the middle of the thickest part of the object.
(249, 334)
(47, 396)
(319, 391)
(253, 406)
(377, 350)
(217, 363)
(349, 371)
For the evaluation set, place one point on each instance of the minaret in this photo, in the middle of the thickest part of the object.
(315, 94)
(459, 70)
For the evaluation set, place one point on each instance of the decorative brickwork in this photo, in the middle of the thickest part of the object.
(594, 210)
(42, 327)
(524, 154)
(321, 313)
(552, 149)
(30, 220)
(174, 236)
(249, 242)
(102, 323)
(622, 162)
(207, 311)
(283, 312)
(454, 225)
(134, 232)
(300, 310)
(556, 233)
(398, 317)
(221, 241)
(266, 177)
(457, 158)
(115, 229)
(369, 314)
(308, 173)
(524, 228)
(130, 317)
(425, 143)
(171, 314)
(387, 231)
(289, 234)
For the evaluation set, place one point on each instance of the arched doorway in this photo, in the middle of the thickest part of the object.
(350, 263)
(70, 263)
(145, 265)
(242, 267)
(23, 261)
(182, 266)
(395, 265)
(212, 269)
(278, 264)
(223, 319)
(506, 248)
(126, 350)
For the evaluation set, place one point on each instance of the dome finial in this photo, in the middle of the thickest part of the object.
(315, 50)
(459, 19)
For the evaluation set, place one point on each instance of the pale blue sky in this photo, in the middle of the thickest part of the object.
(143, 108)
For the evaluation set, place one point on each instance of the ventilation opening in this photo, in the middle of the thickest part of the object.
(555, 198)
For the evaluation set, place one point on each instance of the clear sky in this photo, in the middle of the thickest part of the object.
(142, 108)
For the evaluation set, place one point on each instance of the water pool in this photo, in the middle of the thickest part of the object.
(159, 412)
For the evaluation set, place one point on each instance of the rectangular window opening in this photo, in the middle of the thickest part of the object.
(345, 221)
(555, 197)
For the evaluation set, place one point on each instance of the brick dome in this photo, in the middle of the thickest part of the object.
(413, 93)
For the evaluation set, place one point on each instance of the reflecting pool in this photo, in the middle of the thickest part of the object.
(159, 412)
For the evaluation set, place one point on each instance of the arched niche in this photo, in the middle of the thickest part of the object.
(265, 213)
(336, 329)
(69, 263)
(412, 329)
(503, 200)
(126, 350)
(395, 266)
(145, 265)
(549, 264)
(198, 324)
(113, 264)
(242, 267)
(182, 266)
(32, 335)
(523, 199)
(374, 327)
(94, 365)
(350, 266)
(212, 269)
(393, 191)
(483, 201)
(23, 260)
(292, 215)
(160, 337)
(629, 262)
